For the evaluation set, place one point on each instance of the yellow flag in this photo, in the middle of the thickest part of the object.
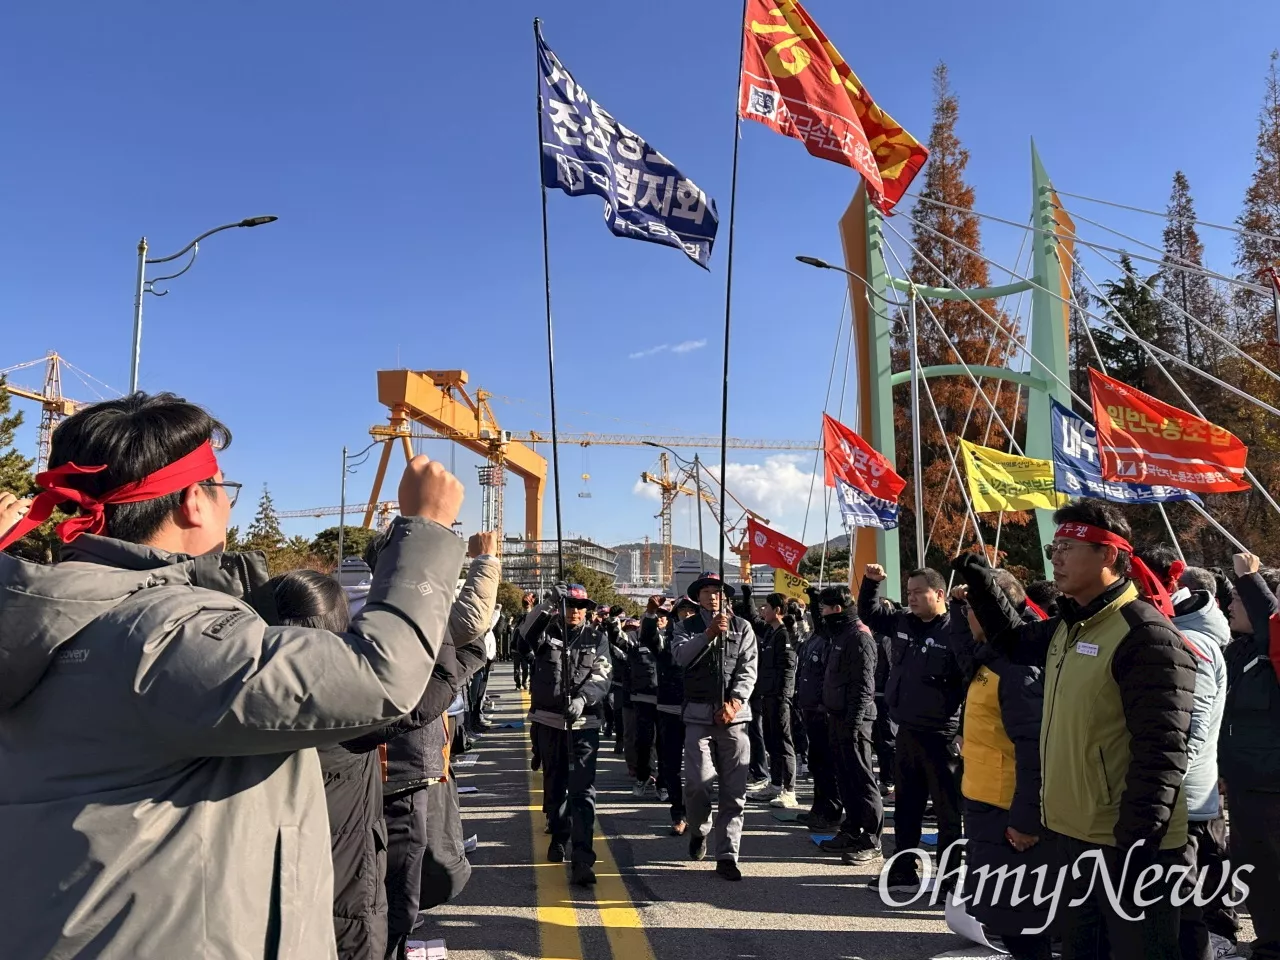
(789, 585)
(1004, 481)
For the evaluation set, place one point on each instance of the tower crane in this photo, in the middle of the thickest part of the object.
(54, 407)
(670, 489)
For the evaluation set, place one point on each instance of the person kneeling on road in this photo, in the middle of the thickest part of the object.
(718, 654)
(571, 670)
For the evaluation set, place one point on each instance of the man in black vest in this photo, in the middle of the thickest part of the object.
(570, 680)
(718, 654)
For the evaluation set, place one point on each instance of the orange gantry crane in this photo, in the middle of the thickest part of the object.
(441, 401)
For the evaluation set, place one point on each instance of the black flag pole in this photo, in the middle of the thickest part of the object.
(728, 304)
(546, 276)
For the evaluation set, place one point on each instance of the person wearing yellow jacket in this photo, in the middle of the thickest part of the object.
(1119, 691)
(1001, 752)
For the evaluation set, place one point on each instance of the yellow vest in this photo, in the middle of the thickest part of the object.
(989, 770)
(1084, 743)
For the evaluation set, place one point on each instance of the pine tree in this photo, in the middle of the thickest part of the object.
(1127, 302)
(967, 331)
(1082, 357)
(1261, 215)
(15, 469)
(264, 533)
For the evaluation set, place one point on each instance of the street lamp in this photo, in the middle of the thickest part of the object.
(696, 467)
(148, 286)
(349, 469)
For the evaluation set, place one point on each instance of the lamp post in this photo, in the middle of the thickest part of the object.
(342, 516)
(148, 286)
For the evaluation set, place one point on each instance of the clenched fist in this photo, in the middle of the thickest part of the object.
(430, 491)
(11, 511)
(875, 572)
(1246, 563)
(483, 544)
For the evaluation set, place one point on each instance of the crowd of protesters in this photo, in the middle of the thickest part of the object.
(192, 752)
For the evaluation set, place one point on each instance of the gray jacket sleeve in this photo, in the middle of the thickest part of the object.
(596, 687)
(743, 681)
(686, 646)
(472, 611)
(215, 680)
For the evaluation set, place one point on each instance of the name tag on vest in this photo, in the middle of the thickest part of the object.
(1088, 649)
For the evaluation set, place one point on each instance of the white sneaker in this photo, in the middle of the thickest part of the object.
(786, 800)
(758, 786)
(766, 795)
(638, 790)
(650, 791)
(663, 795)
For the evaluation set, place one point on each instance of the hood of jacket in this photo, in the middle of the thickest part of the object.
(1200, 615)
(42, 607)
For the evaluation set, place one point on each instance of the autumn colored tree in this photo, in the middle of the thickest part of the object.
(1259, 249)
(1189, 293)
(947, 242)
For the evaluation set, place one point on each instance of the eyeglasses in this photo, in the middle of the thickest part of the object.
(1061, 546)
(230, 486)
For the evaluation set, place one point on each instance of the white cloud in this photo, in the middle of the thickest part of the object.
(649, 491)
(641, 354)
(777, 489)
(688, 346)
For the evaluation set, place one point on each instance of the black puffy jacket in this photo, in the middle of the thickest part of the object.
(849, 681)
(927, 678)
(670, 676)
(811, 671)
(642, 668)
(1249, 744)
(776, 678)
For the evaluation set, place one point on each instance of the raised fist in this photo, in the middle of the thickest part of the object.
(875, 572)
(430, 491)
(483, 544)
(1246, 563)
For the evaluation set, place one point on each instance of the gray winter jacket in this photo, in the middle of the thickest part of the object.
(1206, 631)
(157, 797)
(693, 650)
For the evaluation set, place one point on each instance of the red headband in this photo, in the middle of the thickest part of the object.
(200, 464)
(1148, 583)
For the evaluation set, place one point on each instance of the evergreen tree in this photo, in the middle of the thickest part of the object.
(264, 533)
(354, 542)
(1261, 215)
(1082, 357)
(966, 329)
(1126, 301)
(40, 545)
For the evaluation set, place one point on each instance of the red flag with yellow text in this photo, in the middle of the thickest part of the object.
(795, 82)
(773, 549)
(1145, 440)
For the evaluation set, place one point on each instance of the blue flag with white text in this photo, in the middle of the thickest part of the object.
(1077, 470)
(586, 151)
(858, 509)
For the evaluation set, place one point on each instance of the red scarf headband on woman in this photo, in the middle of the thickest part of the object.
(1153, 591)
(198, 465)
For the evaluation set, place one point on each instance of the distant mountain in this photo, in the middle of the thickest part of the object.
(625, 574)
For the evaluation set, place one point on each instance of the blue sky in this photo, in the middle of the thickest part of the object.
(396, 143)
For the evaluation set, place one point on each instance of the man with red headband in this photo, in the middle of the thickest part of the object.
(156, 794)
(1119, 687)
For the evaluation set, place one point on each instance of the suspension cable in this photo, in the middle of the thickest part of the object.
(826, 401)
(1155, 213)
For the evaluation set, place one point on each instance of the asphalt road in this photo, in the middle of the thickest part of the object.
(652, 901)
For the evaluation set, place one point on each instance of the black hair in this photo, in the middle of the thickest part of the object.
(836, 596)
(1011, 586)
(134, 437)
(1271, 577)
(1044, 594)
(1198, 579)
(616, 611)
(1160, 557)
(1099, 513)
(308, 598)
(778, 601)
(932, 577)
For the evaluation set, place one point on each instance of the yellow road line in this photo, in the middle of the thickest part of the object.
(558, 923)
(622, 922)
(557, 916)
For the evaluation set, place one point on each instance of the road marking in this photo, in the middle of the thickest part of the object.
(622, 922)
(558, 922)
